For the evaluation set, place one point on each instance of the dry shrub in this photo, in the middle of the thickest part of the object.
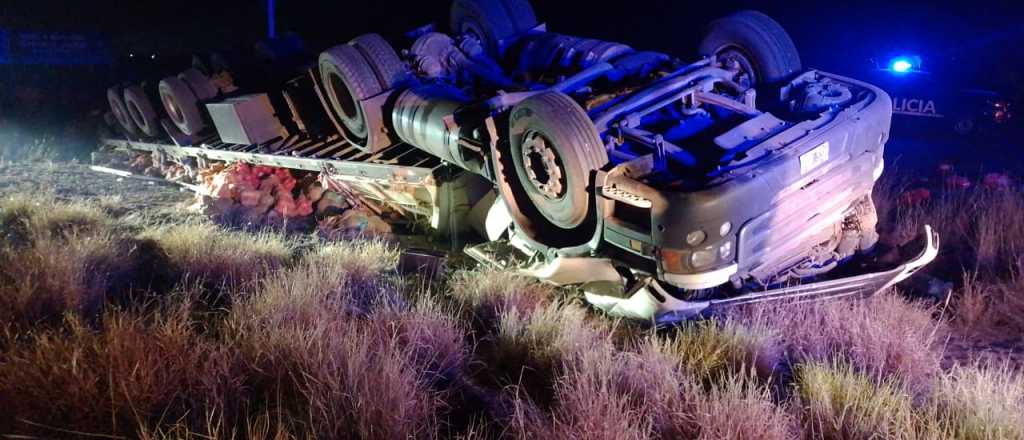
(218, 257)
(529, 349)
(979, 402)
(112, 381)
(486, 295)
(990, 309)
(883, 336)
(598, 399)
(972, 305)
(838, 402)
(360, 382)
(60, 257)
(714, 350)
(979, 228)
(327, 284)
(23, 219)
(739, 408)
(607, 393)
(54, 276)
(433, 340)
(332, 345)
(261, 426)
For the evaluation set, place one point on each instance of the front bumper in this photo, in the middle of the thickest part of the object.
(652, 303)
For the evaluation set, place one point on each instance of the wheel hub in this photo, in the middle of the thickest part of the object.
(734, 60)
(542, 166)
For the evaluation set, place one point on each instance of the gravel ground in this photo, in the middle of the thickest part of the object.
(68, 181)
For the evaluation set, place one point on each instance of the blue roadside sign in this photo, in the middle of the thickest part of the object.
(53, 48)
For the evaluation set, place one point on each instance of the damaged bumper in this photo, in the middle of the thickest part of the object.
(652, 303)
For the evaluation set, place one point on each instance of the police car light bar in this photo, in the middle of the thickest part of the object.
(901, 65)
(904, 64)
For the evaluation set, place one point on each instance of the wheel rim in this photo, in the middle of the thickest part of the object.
(136, 113)
(543, 167)
(474, 32)
(118, 109)
(172, 109)
(733, 59)
(349, 112)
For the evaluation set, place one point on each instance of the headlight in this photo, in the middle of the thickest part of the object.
(703, 258)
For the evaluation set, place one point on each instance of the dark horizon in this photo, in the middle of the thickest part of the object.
(828, 36)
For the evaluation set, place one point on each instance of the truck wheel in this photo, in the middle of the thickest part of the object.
(199, 83)
(556, 148)
(491, 21)
(182, 105)
(384, 61)
(141, 110)
(349, 79)
(753, 43)
(116, 99)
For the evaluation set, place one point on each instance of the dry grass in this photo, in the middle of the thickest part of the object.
(134, 371)
(839, 402)
(217, 257)
(979, 402)
(325, 341)
(982, 244)
(64, 257)
(715, 350)
(337, 350)
(884, 336)
(738, 409)
(485, 295)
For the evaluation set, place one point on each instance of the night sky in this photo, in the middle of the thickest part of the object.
(825, 34)
(978, 41)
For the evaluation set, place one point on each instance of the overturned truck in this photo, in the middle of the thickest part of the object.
(665, 189)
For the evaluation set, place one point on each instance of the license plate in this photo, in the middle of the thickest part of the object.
(811, 159)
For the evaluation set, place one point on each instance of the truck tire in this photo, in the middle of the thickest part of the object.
(349, 79)
(140, 108)
(758, 44)
(181, 105)
(389, 69)
(116, 99)
(491, 21)
(556, 149)
(199, 83)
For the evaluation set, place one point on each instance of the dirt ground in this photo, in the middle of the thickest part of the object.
(75, 181)
(67, 181)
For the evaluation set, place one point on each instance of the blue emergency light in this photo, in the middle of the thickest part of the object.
(901, 65)
(904, 64)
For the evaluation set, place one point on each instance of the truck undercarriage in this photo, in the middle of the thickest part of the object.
(667, 190)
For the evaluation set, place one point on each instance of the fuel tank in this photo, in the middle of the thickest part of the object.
(425, 118)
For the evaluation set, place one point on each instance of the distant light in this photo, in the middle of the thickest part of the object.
(901, 65)
(131, 55)
(152, 57)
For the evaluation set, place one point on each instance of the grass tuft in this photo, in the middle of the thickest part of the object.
(218, 257)
(838, 402)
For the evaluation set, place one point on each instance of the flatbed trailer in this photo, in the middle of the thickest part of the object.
(401, 178)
